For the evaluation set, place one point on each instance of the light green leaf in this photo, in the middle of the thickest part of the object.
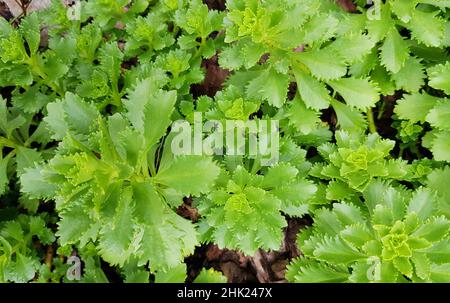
(434, 229)
(335, 251)
(360, 93)
(348, 118)
(308, 272)
(175, 274)
(3, 174)
(354, 47)
(30, 29)
(210, 276)
(116, 237)
(356, 235)
(422, 203)
(22, 270)
(166, 245)
(411, 76)
(189, 175)
(440, 273)
(439, 116)
(415, 107)
(404, 9)
(302, 118)
(403, 265)
(441, 146)
(421, 265)
(34, 184)
(394, 51)
(427, 28)
(149, 206)
(314, 93)
(73, 225)
(348, 213)
(439, 77)
(323, 64)
(277, 175)
(71, 114)
(26, 157)
(270, 86)
(150, 110)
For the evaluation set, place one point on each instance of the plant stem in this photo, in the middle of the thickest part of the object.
(7, 142)
(371, 120)
(381, 112)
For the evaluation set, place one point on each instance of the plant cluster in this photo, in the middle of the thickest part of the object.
(362, 100)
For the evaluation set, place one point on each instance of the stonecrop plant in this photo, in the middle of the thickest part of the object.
(93, 190)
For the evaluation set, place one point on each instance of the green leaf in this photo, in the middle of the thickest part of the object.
(338, 190)
(277, 175)
(320, 28)
(55, 120)
(327, 222)
(31, 101)
(404, 9)
(434, 229)
(348, 213)
(415, 107)
(427, 28)
(323, 64)
(149, 206)
(138, 276)
(356, 235)
(440, 273)
(27, 157)
(421, 265)
(354, 47)
(302, 118)
(438, 253)
(70, 114)
(241, 54)
(422, 203)
(439, 116)
(411, 76)
(73, 225)
(231, 58)
(30, 29)
(189, 175)
(303, 272)
(175, 274)
(149, 110)
(314, 93)
(210, 276)
(22, 270)
(383, 79)
(34, 184)
(3, 174)
(270, 86)
(394, 51)
(441, 146)
(348, 118)
(359, 93)
(165, 246)
(335, 251)
(439, 77)
(116, 238)
(403, 265)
